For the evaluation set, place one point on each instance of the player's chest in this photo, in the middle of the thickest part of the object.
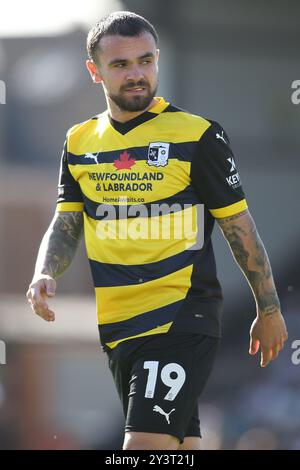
(148, 173)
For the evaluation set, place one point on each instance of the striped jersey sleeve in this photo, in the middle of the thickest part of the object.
(215, 176)
(69, 192)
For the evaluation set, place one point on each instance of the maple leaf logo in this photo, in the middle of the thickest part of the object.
(124, 162)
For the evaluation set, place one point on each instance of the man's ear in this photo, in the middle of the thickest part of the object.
(96, 77)
(157, 54)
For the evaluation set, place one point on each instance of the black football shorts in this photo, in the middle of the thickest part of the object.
(159, 379)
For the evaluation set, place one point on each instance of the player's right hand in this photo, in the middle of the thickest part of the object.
(40, 288)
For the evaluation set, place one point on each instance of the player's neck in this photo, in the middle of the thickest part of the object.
(123, 116)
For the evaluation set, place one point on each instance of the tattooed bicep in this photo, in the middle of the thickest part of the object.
(241, 224)
(227, 221)
(68, 223)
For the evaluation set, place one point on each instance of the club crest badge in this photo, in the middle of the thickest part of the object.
(158, 153)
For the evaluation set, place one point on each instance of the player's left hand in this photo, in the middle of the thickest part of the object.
(268, 332)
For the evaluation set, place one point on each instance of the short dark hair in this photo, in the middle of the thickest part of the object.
(123, 23)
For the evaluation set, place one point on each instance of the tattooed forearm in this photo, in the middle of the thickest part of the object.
(250, 254)
(59, 244)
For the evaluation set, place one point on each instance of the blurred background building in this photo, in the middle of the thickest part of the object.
(230, 61)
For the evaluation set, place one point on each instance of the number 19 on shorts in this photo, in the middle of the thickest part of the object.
(166, 376)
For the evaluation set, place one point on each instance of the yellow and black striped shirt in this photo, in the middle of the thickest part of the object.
(150, 189)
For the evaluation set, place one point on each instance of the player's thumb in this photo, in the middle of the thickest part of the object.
(254, 346)
(50, 285)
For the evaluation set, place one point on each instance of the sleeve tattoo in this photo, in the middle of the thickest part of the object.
(250, 254)
(60, 243)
